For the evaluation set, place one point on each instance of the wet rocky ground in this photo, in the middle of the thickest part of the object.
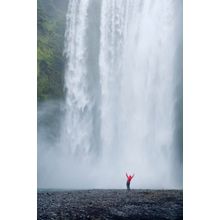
(110, 204)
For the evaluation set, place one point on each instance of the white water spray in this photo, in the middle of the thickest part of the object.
(123, 108)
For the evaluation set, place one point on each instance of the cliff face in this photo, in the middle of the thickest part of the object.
(50, 40)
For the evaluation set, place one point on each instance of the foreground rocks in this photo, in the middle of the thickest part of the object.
(111, 204)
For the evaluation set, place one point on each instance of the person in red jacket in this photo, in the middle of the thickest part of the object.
(129, 178)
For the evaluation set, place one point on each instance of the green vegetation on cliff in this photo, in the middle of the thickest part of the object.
(50, 40)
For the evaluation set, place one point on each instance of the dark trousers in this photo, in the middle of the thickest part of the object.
(128, 185)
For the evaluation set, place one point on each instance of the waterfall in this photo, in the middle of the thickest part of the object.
(123, 83)
(78, 114)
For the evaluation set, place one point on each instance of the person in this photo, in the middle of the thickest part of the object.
(129, 178)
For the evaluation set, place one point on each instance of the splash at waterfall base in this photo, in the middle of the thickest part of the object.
(111, 204)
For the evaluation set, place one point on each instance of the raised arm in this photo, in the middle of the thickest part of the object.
(126, 175)
(132, 176)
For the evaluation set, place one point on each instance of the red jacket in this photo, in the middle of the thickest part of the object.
(129, 178)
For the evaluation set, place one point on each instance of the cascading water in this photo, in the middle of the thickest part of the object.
(123, 107)
(78, 125)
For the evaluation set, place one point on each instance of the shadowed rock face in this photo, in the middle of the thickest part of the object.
(110, 204)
